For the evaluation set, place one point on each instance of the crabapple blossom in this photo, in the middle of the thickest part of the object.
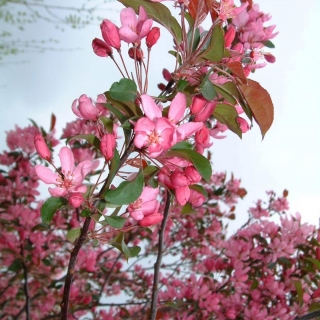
(70, 178)
(110, 34)
(107, 145)
(42, 147)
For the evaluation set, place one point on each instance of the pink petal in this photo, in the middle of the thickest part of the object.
(149, 194)
(177, 107)
(144, 28)
(58, 192)
(150, 108)
(140, 140)
(81, 171)
(155, 150)
(151, 220)
(142, 14)
(127, 35)
(67, 160)
(187, 129)
(137, 215)
(144, 125)
(163, 124)
(46, 175)
(81, 189)
(128, 18)
(75, 108)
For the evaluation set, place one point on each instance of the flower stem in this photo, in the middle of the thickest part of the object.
(155, 289)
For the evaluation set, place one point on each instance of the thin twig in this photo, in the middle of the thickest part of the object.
(70, 273)
(155, 289)
(309, 316)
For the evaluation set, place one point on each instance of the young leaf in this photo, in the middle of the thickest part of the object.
(127, 192)
(49, 208)
(298, 286)
(227, 115)
(53, 122)
(188, 210)
(198, 160)
(260, 103)
(73, 234)
(113, 168)
(157, 12)
(237, 71)
(129, 252)
(124, 90)
(198, 10)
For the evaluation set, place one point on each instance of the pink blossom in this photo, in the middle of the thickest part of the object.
(132, 28)
(71, 177)
(84, 108)
(76, 199)
(107, 146)
(100, 48)
(145, 205)
(151, 220)
(152, 37)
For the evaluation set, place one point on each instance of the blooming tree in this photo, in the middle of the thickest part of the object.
(135, 183)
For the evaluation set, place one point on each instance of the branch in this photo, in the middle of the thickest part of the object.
(70, 273)
(155, 289)
(309, 316)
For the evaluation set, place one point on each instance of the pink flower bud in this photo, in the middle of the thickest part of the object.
(243, 124)
(152, 37)
(110, 34)
(166, 74)
(270, 58)
(198, 103)
(107, 146)
(42, 147)
(205, 113)
(179, 179)
(135, 53)
(229, 36)
(151, 220)
(192, 174)
(196, 198)
(202, 136)
(76, 199)
(182, 195)
(100, 48)
(84, 108)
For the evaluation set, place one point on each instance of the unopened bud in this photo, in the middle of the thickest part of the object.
(100, 48)
(167, 75)
(42, 147)
(110, 34)
(152, 37)
(229, 36)
(135, 53)
(76, 199)
(151, 220)
(270, 58)
(107, 146)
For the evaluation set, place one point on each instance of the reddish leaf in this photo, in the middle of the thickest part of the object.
(260, 103)
(285, 193)
(237, 71)
(198, 10)
(53, 122)
(210, 5)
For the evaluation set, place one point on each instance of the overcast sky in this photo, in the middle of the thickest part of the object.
(34, 85)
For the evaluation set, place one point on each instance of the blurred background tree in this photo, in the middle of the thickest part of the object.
(18, 15)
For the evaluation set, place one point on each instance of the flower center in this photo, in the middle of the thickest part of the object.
(65, 180)
(137, 204)
(153, 137)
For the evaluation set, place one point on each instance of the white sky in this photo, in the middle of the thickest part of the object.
(287, 158)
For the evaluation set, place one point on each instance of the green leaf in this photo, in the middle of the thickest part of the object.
(129, 252)
(85, 213)
(201, 163)
(188, 210)
(254, 285)
(207, 89)
(157, 12)
(107, 123)
(269, 44)
(182, 84)
(113, 168)
(127, 192)
(115, 222)
(227, 114)
(316, 262)
(298, 286)
(16, 265)
(124, 90)
(182, 145)
(91, 138)
(73, 234)
(49, 208)
(215, 51)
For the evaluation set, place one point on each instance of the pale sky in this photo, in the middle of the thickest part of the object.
(35, 85)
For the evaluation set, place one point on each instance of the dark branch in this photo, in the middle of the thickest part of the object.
(155, 289)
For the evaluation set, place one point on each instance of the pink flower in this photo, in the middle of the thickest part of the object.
(42, 147)
(145, 205)
(132, 28)
(151, 220)
(71, 177)
(84, 108)
(76, 199)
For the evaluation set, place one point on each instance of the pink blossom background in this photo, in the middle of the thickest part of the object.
(34, 85)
